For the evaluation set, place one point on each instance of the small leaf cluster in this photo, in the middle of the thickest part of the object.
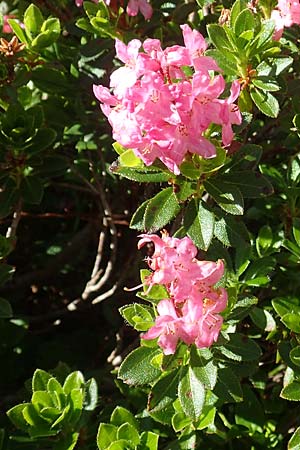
(55, 411)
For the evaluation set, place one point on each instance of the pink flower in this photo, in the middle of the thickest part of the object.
(191, 312)
(134, 6)
(286, 15)
(168, 109)
(167, 326)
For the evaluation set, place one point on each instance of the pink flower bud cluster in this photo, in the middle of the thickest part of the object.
(286, 15)
(191, 312)
(163, 101)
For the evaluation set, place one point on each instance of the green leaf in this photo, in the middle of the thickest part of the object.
(32, 189)
(51, 25)
(264, 239)
(292, 321)
(265, 102)
(231, 231)
(236, 9)
(273, 66)
(67, 442)
(250, 413)
(291, 391)
(219, 38)
(295, 355)
(228, 387)
(191, 392)
(5, 309)
(296, 230)
(107, 434)
(18, 30)
(120, 444)
(141, 317)
(42, 140)
(265, 84)
(199, 223)
(121, 415)
(136, 369)
(201, 360)
(160, 210)
(242, 308)
(15, 414)
(73, 381)
(244, 22)
(91, 395)
(207, 417)
(41, 399)
(33, 20)
(251, 184)
(161, 397)
(143, 176)
(50, 80)
(138, 219)
(226, 60)
(263, 319)
(294, 442)
(129, 159)
(284, 305)
(149, 440)
(227, 196)
(241, 348)
(128, 432)
(76, 403)
(40, 380)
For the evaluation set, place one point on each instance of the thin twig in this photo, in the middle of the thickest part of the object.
(12, 229)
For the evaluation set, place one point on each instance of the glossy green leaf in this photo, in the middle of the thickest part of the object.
(67, 442)
(191, 392)
(73, 381)
(228, 387)
(218, 37)
(141, 317)
(33, 20)
(149, 440)
(91, 395)
(32, 189)
(138, 219)
(15, 414)
(201, 361)
(262, 319)
(295, 355)
(251, 184)
(294, 442)
(265, 102)
(107, 434)
(199, 223)
(162, 395)
(121, 415)
(284, 305)
(226, 195)
(241, 348)
(265, 84)
(231, 231)
(128, 432)
(291, 391)
(292, 321)
(244, 21)
(136, 369)
(160, 210)
(237, 7)
(129, 159)
(40, 380)
(273, 66)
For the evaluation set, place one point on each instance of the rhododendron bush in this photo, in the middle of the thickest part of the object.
(150, 225)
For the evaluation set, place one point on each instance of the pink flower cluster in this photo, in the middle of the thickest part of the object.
(286, 15)
(163, 101)
(191, 312)
(133, 7)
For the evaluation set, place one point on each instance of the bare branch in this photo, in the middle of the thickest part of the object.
(12, 230)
